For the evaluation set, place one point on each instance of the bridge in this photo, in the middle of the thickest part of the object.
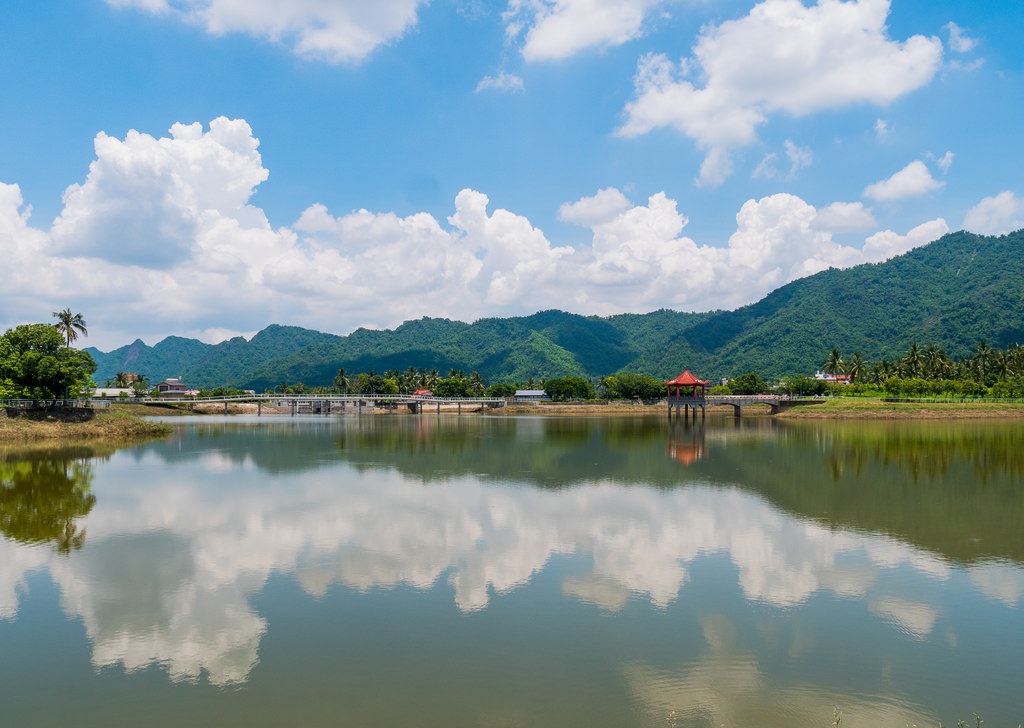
(325, 404)
(777, 403)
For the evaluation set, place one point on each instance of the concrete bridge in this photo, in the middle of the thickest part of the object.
(326, 404)
(777, 403)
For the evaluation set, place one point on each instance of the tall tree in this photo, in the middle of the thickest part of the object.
(835, 366)
(980, 357)
(34, 365)
(70, 325)
(858, 367)
(913, 360)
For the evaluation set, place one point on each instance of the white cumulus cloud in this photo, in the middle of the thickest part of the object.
(845, 217)
(602, 207)
(996, 215)
(782, 57)
(887, 244)
(503, 82)
(331, 30)
(913, 180)
(162, 238)
(557, 29)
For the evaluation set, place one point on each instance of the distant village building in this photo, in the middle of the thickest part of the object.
(531, 394)
(172, 388)
(837, 378)
(111, 393)
(422, 393)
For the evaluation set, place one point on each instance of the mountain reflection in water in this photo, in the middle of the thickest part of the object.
(185, 534)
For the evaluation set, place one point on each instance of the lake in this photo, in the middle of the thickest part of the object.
(390, 570)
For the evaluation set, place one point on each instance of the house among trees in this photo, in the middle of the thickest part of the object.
(530, 394)
(172, 388)
(837, 378)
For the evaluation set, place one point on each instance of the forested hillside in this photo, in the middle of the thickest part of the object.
(953, 293)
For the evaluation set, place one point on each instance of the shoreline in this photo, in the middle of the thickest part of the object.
(862, 408)
(126, 423)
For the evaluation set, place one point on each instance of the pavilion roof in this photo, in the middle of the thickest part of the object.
(685, 380)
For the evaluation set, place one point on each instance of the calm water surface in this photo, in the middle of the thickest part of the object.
(478, 571)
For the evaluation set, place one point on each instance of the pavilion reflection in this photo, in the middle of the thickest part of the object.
(686, 443)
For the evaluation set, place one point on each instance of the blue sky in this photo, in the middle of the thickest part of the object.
(208, 167)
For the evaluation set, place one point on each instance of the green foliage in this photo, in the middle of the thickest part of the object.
(564, 389)
(626, 385)
(748, 384)
(35, 363)
(802, 386)
(452, 387)
(720, 390)
(70, 325)
(501, 389)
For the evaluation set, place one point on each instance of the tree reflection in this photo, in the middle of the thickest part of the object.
(43, 495)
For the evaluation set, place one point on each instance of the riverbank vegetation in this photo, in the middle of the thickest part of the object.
(76, 426)
(35, 363)
(928, 371)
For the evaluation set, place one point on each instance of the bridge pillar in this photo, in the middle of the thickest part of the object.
(225, 406)
(259, 408)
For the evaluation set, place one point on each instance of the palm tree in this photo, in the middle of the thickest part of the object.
(858, 367)
(835, 365)
(341, 380)
(70, 325)
(981, 356)
(121, 380)
(913, 360)
(877, 374)
(1002, 364)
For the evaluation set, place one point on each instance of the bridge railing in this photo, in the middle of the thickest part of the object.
(404, 398)
(48, 403)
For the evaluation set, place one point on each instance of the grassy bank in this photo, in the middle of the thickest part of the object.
(54, 427)
(870, 408)
(866, 408)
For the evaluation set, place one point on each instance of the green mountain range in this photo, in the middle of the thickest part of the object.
(953, 292)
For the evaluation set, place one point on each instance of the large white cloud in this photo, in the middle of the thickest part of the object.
(887, 244)
(996, 215)
(556, 29)
(161, 238)
(147, 200)
(332, 30)
(913, 180)
(845, 216)
(782, 57)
